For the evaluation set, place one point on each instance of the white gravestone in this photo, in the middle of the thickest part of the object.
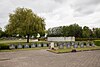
(39, 45)
(26, 46)
(61, 46)
(12, 46)
(52, 45)
(33, 45)
(45, 45)
(81, 45)
(19, 46)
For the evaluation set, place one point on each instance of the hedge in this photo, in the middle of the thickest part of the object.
(86, 39)
(97, 42)
(4, 46)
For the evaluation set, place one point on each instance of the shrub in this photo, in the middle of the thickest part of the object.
(4, 46)
(86, 39)
(42, 39)
(97, 42)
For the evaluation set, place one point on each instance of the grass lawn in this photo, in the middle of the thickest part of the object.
(12, 41)
(18, 41)
(67, 50)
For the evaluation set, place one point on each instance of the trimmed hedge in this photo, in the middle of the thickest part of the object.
(97, 42)
(4, 46)
(42, 39)
(86, 39)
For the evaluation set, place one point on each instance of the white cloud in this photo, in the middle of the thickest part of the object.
(56, 12)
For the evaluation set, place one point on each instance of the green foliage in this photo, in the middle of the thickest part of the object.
(97, 42)
(86, 32)
(4, 46)
(97, 32)
(1, 32)
(42, 39)
(24, 22)
(86, 39)
(74, 30)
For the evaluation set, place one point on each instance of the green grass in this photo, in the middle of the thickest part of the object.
(67, 50)
(20, 41)
(13, 41)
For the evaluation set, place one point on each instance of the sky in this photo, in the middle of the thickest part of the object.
(56, 12)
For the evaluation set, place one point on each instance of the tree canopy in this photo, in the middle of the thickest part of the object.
(25, 22)
(74, 30)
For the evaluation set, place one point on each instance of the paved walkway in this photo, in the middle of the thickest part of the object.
(43, 58)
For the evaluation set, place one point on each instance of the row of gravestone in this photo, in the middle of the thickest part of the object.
(60, 45)
(75, 45)
(19, 46)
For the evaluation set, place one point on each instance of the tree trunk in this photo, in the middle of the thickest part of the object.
(28, 38)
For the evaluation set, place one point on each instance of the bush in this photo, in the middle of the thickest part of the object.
(97, 42)
(86, 39)
(42, 39)
(4, 46)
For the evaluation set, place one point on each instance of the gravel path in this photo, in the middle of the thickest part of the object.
(43, 58)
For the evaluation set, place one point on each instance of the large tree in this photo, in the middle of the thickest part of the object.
(75, 30)
(24, 22)
(86, 32)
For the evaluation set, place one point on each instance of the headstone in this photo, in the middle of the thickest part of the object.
(64, 44)
(93, 45)
(12, 46)
(72, 43)
(81, 45)
(55, 44)
(44, 45)
(39, 45)
(75, 45)
(33, 45)
(68, 45)
(87, 45)
(52, 45)
(61, 46)
(26, 46)
(19, 46)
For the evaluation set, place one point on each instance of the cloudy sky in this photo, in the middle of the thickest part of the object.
(56, 12)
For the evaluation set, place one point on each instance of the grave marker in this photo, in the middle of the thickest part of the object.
(68, 45)
(81, 45)
(39, 45)
(61, 46)
(19, 46)
(33, 45)
(26, 46)
(75, 45)
(12, 46)
(87, 45)
(44, 45)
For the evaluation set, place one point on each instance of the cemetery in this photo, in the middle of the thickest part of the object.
(66, 47)
(50, 33)
(58, 46)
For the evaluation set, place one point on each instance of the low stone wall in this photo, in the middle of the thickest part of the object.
(61, 38)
